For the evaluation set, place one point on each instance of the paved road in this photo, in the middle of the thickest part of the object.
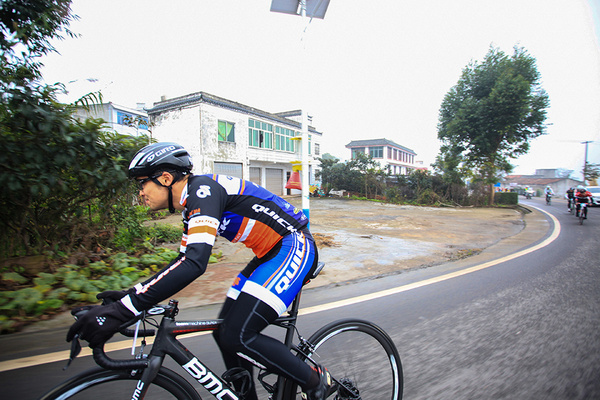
(526, 328)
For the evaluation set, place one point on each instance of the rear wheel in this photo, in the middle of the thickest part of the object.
(360, 356)
(99, 383)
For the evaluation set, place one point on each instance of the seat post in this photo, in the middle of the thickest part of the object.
(292, 313)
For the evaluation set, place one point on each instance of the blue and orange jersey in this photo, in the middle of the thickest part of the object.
(238, 210)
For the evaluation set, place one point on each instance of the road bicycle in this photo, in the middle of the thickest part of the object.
(571, 205)
(361, 358)
(582, 212)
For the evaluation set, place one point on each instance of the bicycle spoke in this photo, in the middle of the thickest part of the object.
(362, 358)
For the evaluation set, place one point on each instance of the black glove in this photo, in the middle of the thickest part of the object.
(99, 323)
(110, 296)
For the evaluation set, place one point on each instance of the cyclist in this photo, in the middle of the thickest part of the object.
(240, 211)
(549, 193)
(570, 195)
(582, 196)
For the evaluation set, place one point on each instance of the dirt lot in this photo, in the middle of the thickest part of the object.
(360, 239)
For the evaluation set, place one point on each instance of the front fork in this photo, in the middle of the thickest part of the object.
(150, 372)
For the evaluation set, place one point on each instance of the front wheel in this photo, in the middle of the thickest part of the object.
(99, 383)
(362, 357)
(582, 214)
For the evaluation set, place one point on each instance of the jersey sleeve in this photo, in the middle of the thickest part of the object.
(204, 204)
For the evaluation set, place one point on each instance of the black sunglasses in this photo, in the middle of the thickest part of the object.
(142, 182)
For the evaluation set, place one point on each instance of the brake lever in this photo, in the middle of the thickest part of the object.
(75, 350)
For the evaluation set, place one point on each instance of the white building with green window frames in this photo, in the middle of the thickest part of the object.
(396, 159)
(227, 137)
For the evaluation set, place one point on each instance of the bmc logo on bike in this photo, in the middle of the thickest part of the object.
(208, 380)
(138, 390)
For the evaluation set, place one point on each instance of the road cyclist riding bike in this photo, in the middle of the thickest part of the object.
(549, 193)
(285, 259)
(583, 199)
(362, 358)
(570, 196)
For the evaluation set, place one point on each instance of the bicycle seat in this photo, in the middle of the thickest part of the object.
(317, 270)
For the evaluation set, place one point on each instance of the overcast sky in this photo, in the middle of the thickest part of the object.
(370, 69)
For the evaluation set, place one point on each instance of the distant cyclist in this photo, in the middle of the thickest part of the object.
(582, 196)
(570, 196)
(549, 193)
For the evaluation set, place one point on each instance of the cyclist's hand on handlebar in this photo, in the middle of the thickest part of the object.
(110, 296)
(99, 323)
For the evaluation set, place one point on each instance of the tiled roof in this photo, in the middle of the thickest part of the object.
(377, 142)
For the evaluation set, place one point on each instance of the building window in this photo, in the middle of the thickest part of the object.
(283, 138)
(357, 150)
(226, 132)
(260, 134)
(317, 149)
(376, 152)
(132, 120)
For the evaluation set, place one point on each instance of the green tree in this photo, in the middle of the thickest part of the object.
(492, 113)
(327, 172)
(60, 177)
(591, 172)
(28, 27)
(372, 175)
(449, 165)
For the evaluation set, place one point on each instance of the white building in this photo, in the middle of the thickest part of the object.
(398, 160)
(226, 137)
(123, 120)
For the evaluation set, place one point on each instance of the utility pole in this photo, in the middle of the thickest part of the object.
(311, 9)
(585, 160)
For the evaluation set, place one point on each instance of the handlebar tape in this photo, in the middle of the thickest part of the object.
(108, 363)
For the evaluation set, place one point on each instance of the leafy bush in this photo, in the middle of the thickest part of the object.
(161, 233)
(60, 176)
(129, 226)
(71, 284)
(428, 197)
(511, 198)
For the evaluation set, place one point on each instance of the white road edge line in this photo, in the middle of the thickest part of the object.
(124, 344)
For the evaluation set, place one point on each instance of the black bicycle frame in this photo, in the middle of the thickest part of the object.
(166, 343)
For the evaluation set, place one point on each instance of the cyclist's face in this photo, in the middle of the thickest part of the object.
(154, 195)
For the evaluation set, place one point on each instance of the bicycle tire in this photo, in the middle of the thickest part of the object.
(119, 384)
(362, 355)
